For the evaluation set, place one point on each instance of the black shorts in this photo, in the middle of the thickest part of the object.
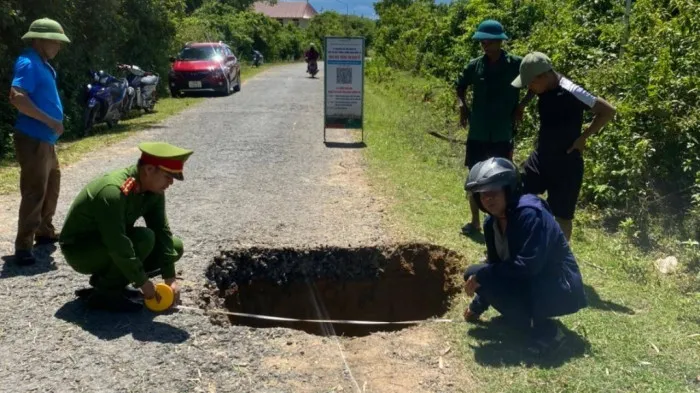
(478, 151)
(561, 175)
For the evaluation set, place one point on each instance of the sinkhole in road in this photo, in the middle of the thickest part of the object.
(405, 282)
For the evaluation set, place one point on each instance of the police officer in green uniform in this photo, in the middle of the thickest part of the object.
(99, 237)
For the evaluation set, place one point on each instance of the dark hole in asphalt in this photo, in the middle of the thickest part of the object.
(409, 282)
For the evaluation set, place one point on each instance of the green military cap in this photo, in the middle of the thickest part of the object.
(165, 156)
(490, 30)
(46, 29)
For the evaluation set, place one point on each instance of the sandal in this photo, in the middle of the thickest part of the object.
(470, 229)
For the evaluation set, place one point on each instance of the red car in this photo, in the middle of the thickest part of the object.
(204, 67)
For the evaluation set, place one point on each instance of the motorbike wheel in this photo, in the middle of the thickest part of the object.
(112, 123)
(89, 119)
(126, 109)
(150, 107)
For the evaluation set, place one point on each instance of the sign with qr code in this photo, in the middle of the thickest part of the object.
(344, 82)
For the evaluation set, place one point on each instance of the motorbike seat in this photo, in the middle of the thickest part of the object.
(116, 90)
(136, 81)
(149, 80)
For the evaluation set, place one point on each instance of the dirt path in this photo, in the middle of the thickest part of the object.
(260, 176)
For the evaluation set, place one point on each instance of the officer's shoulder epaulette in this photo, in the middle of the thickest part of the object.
(128, 185)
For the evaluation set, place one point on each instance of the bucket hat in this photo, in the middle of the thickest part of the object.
(490, 30)
(47, 29)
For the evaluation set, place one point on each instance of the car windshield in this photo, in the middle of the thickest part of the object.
(200, 53)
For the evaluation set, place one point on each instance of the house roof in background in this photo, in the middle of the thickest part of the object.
(286, 10)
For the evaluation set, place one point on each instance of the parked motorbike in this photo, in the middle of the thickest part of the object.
(142, 92)
(105, 100)
(257, 59)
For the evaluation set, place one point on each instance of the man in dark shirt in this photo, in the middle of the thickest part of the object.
(312, 54)
(495, 108)
(556, 165)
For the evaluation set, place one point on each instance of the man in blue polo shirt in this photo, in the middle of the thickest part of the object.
(39, 125)
(556, 165)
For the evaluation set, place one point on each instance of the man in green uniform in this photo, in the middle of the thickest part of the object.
(99, 237)
(495, 108)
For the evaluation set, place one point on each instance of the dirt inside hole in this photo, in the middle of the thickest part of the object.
(394, 283)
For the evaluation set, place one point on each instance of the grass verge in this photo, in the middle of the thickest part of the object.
(640, 333)
(72, 150)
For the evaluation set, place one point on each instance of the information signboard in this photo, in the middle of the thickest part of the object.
(344, 79)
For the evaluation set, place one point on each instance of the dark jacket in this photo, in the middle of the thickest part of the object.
(312, 54)
(539, 256)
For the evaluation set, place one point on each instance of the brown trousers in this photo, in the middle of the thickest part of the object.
(39, 183)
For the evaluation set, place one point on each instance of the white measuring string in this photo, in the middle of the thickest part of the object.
(332, 321)
(329, 330)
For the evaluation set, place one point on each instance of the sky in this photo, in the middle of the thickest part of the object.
(356, 7)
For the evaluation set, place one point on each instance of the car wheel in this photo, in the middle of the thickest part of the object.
(227, 88)
(237, 88)
(175, 93)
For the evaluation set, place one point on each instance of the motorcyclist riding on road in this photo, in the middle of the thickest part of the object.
(311, 55)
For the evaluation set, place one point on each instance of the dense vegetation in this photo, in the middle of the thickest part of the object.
(147, 33)
(643, 170)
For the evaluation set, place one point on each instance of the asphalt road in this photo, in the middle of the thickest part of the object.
(260, 175)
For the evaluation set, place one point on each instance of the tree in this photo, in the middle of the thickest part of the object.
(240, 5)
